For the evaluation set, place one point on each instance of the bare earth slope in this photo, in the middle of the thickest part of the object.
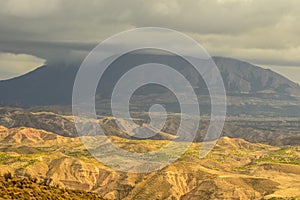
(235, 169)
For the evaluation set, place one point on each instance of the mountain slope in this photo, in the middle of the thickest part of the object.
(52, 85)
(243, 77)
(47, 85)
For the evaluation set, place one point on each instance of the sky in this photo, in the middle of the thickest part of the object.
(62, 32)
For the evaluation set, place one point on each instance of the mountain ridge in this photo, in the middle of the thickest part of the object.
(53, 85)
(274, 131)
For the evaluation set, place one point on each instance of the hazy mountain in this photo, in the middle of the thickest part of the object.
(52, 85)
(47, 85)
(243, 77)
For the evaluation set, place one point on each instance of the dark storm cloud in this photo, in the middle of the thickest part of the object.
(264, 31)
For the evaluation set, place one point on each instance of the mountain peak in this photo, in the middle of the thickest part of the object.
(49, 85)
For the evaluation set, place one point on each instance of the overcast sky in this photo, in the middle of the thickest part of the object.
(264, 32)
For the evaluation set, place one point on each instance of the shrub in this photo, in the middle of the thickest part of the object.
(7, 176)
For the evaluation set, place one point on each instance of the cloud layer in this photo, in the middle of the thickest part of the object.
(13, 65)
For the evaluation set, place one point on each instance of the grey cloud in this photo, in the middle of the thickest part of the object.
(67, 30)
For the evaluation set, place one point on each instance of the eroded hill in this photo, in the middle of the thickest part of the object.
(273, 131)
(235, 169)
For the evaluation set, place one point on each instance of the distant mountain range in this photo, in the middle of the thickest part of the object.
(53, 85)
(273, 131)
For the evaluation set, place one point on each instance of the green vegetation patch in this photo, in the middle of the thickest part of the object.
(284, 156)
